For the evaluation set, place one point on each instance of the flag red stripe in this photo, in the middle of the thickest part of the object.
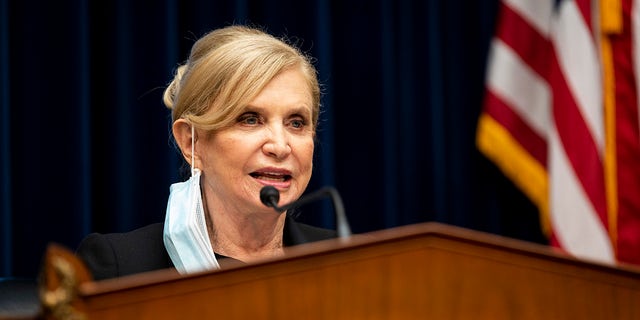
(519, 130)
(584, 7)
(577, 142)
(526, 41)
(627, 142)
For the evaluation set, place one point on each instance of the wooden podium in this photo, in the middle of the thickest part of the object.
(419, 271)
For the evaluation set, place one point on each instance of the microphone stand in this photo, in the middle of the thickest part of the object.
(342, 225)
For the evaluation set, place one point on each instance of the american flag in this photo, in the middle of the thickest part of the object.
(561, 119)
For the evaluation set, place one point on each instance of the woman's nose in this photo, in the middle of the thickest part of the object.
(277, 144)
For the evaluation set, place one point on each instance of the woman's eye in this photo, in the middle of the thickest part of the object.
(250, 119)
(297, 123)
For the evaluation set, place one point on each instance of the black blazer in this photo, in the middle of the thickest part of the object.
(118, 254)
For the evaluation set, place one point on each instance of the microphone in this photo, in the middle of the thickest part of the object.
(270, 196)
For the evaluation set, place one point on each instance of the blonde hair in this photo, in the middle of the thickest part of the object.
(229, 67)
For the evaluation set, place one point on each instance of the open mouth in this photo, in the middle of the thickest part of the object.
(269, 176)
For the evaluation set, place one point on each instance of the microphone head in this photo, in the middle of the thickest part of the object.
(269, 196)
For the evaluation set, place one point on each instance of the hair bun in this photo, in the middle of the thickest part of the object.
(173, 89)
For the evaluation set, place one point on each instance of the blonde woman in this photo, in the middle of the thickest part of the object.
(245, 109)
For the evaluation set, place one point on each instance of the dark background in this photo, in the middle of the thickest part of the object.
(85, 143)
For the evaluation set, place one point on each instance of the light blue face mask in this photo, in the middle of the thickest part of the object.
(185, 229)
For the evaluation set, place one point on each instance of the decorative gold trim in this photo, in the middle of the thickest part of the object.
(57, 303)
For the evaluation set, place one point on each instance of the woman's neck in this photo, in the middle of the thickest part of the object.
(245, 237)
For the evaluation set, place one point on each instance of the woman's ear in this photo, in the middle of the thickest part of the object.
(182, 133)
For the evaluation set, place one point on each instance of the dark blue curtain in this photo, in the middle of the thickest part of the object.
(85, 142)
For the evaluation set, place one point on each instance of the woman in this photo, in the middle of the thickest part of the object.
(245, 110)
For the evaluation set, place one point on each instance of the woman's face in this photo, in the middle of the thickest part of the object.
(271, 143)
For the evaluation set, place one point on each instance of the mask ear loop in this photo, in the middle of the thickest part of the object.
(193, 163)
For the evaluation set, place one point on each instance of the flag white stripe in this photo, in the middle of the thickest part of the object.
(577, 225)
(575, 221)
(578, 58)
(519, 86)
(537, 13)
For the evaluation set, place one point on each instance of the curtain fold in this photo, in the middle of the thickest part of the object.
(86, 143)
(6, 234)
